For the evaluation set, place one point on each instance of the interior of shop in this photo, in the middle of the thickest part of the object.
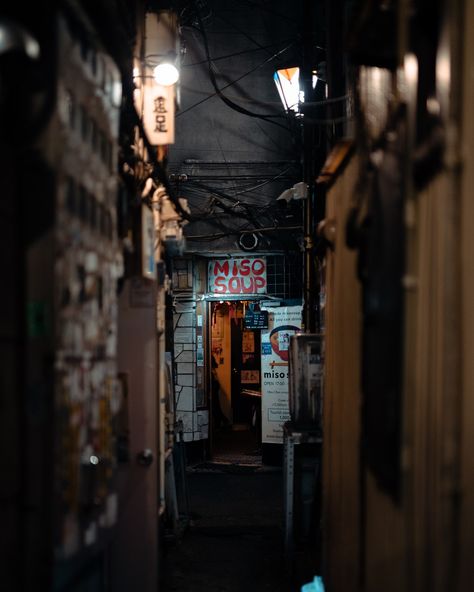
(235, 393)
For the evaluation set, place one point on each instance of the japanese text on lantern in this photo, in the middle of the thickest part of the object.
(160, 112)
(238, 276)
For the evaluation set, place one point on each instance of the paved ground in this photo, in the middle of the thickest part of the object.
(235, 540)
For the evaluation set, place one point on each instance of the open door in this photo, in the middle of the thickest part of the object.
(235, 393)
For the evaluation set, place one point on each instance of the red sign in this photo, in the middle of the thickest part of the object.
(238, 276)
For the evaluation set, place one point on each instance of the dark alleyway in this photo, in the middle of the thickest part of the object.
(237, 315)
(235, 539)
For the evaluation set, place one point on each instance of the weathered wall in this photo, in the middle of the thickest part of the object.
(189, 338)
(341, 454)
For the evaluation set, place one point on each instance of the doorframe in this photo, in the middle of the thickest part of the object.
(209, 299)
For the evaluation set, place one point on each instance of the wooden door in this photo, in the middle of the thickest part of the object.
(135, 546)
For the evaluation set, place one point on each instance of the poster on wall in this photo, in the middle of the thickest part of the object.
(283, 322)
(248, 342)
(240, 275)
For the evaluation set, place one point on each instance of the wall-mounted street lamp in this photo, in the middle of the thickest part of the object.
(155, 77)
(287, 81)
(166, 72)
(162, 46)
(291, 84)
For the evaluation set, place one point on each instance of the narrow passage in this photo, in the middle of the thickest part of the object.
(235, 541)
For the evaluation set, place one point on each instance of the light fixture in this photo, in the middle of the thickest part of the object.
(288, 85)
(287, 82)
(162, 46)
(166, 73)
(13, 37)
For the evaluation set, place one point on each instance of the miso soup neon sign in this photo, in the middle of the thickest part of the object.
(238, 276)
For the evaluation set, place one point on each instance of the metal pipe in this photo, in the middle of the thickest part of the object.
(308, 158)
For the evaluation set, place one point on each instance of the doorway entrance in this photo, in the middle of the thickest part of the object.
(235, 383)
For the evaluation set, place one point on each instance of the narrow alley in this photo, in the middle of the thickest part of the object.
(237, 296)
(235, 536)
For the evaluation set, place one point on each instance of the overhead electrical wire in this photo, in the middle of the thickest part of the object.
(265, 117)
(285, 17)
(241, 31)
(211, 237)
(235, 54)
(218, 91)
(244, 209)
(246, 189)
(217, 213)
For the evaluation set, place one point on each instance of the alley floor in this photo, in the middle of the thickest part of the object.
(234, 541)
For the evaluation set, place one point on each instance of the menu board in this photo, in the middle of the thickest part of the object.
(256, 319)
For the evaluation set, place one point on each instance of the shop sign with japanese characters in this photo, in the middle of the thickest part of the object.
(243, 275)
(158, 112)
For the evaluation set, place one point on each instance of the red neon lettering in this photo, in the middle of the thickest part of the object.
(235, 269)
(259, 283)
(258, 267)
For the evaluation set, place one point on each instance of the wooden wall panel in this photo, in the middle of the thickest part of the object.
(467, 245)
(431, 393)
(342, 399)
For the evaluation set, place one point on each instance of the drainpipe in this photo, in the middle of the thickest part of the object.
(308, 158)
(309, 267)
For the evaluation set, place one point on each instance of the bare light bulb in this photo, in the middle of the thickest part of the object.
(166, 74)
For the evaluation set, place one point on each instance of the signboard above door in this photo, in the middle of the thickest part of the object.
(240, 275)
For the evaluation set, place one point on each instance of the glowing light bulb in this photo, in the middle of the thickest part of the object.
(166, 74)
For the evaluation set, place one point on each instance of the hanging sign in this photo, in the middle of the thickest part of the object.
(238, 276)
(158, 113)
(283, 322)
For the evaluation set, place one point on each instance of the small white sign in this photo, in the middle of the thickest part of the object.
(158, 113)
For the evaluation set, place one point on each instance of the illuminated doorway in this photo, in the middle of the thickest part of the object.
(235, 397)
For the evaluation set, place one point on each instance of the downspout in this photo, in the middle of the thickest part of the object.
(308, 160)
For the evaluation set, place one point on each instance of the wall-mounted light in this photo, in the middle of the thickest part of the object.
(166, 73)
(288, 85)
(13, 37)
(162, 46)
(156, 75)
(287, 82)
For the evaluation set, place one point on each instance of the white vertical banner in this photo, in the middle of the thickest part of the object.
(158, 113)
(283, 322)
